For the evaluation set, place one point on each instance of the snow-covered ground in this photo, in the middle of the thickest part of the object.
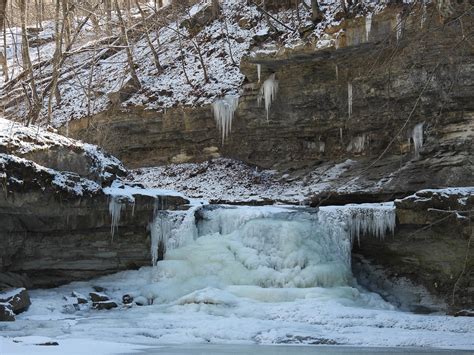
(233, 181)
(248, 275)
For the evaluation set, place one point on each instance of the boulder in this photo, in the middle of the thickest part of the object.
(6, 313)
(99, 297)
(18, 299)
(106, 305)
(81, 299)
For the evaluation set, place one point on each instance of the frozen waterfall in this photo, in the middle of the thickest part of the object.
(170, 230)
(268, 246)
(268, 92)
(224, 110)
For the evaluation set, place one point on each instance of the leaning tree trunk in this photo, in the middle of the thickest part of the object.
(3, 57)
(316, 14)
(28, 67)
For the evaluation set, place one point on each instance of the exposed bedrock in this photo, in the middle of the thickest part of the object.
(417, 86)
(52, 236)
(427, 265)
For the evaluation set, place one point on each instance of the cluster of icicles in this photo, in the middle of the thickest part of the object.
(224, 108)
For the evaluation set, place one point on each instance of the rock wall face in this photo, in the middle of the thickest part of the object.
(432, 248)
(56, 239)
(55, 226)
(410, 76)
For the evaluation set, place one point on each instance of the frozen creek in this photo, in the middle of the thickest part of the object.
(239, 275)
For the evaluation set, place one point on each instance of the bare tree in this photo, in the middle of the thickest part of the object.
(128, 48)
(3, 57)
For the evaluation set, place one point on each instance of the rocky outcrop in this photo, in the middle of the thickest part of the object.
(53, 151)
(57, 238)
(55, 226)
(410, 78)
(12, 302)
(429, 260)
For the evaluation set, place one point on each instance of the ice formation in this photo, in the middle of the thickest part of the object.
(247, 248)
(171, 229)
(160, 231)
(268, 92)
(262, 246)
(376, 220)
(115, 209)
(357, 144)
(417, 137)
(368, 25)
(259, 72)
(224, 110)
(349, 98)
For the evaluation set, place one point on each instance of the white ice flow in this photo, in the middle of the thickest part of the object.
(244, 275)
(268, 92)
(224, 110)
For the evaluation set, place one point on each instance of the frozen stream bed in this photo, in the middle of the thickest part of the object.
(235, 278)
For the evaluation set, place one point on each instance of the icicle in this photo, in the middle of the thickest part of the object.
(171, 229)
(67, 129)
(337, 72)
(340, 133)
(115, 208)
(357, 144)
(371, 221)
(224, 110)
(322, 147)
(368, 25)
(160, 231)
(259, 71)
(268, 91)
(417, 136)
(349, 98)
(376, 220)
(399, 26)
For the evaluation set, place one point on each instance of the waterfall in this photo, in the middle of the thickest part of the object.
(268, 92)
(249, 249)
(224, 110)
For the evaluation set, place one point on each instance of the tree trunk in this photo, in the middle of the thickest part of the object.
(3, 57)
(128, 49)
(27, 66)
(316, 14)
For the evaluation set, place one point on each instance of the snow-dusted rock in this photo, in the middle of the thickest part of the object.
(18, 299)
